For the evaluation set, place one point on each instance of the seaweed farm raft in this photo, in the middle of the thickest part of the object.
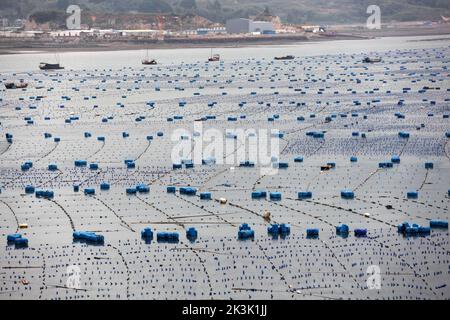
(140, 182)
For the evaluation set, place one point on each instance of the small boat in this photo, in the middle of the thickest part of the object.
(13, 85)
(213, 58)
(148, 61)
(371, 60)
(50, 66)
(289, 57)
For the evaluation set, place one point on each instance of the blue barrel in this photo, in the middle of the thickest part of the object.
(312, 232)
(130, 190)
(21, 242)
(360, 232)
(259, 194)
(283, 165)
(147, 233)
(188, 191)
(80, 163)
(205, 195)
(412, 230)
(347, 194)
(247, 163)
(12, 237)
(89, 191)
(93, 166)
(424, 230)
(305, 195)
(342, 229)
(142, 188)
(273, 229)
(395, 159)
(285, 228)
(246, 234)
(412, 194)
(167, 236)
(429, 165)
(191, 233)
(439, 224)
(275, 195)
(176, 166)
(104, 186)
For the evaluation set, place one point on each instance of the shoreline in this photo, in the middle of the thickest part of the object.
(229, 42)
(40, 46)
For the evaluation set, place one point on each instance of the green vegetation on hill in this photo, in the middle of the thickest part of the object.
(290, 11)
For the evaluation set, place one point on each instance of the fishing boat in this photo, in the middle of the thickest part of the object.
(14, 85)
(148, 61)
(214, 57)
(289, 57)
(50, 66)
(371, 60)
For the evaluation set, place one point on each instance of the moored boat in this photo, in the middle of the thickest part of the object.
(50, 66)
(288, 57)
(14, 85)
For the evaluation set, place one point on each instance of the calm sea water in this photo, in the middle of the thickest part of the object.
(132, 58)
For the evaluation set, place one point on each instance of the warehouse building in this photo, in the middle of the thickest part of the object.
(241, 25)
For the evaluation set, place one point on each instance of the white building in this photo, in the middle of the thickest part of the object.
(241, 25)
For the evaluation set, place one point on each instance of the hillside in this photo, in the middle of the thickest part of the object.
(290, 11)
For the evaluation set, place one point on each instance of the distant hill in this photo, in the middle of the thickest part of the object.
(290, 11)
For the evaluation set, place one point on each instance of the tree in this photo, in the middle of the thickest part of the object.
(188, 4)
(155, 6)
